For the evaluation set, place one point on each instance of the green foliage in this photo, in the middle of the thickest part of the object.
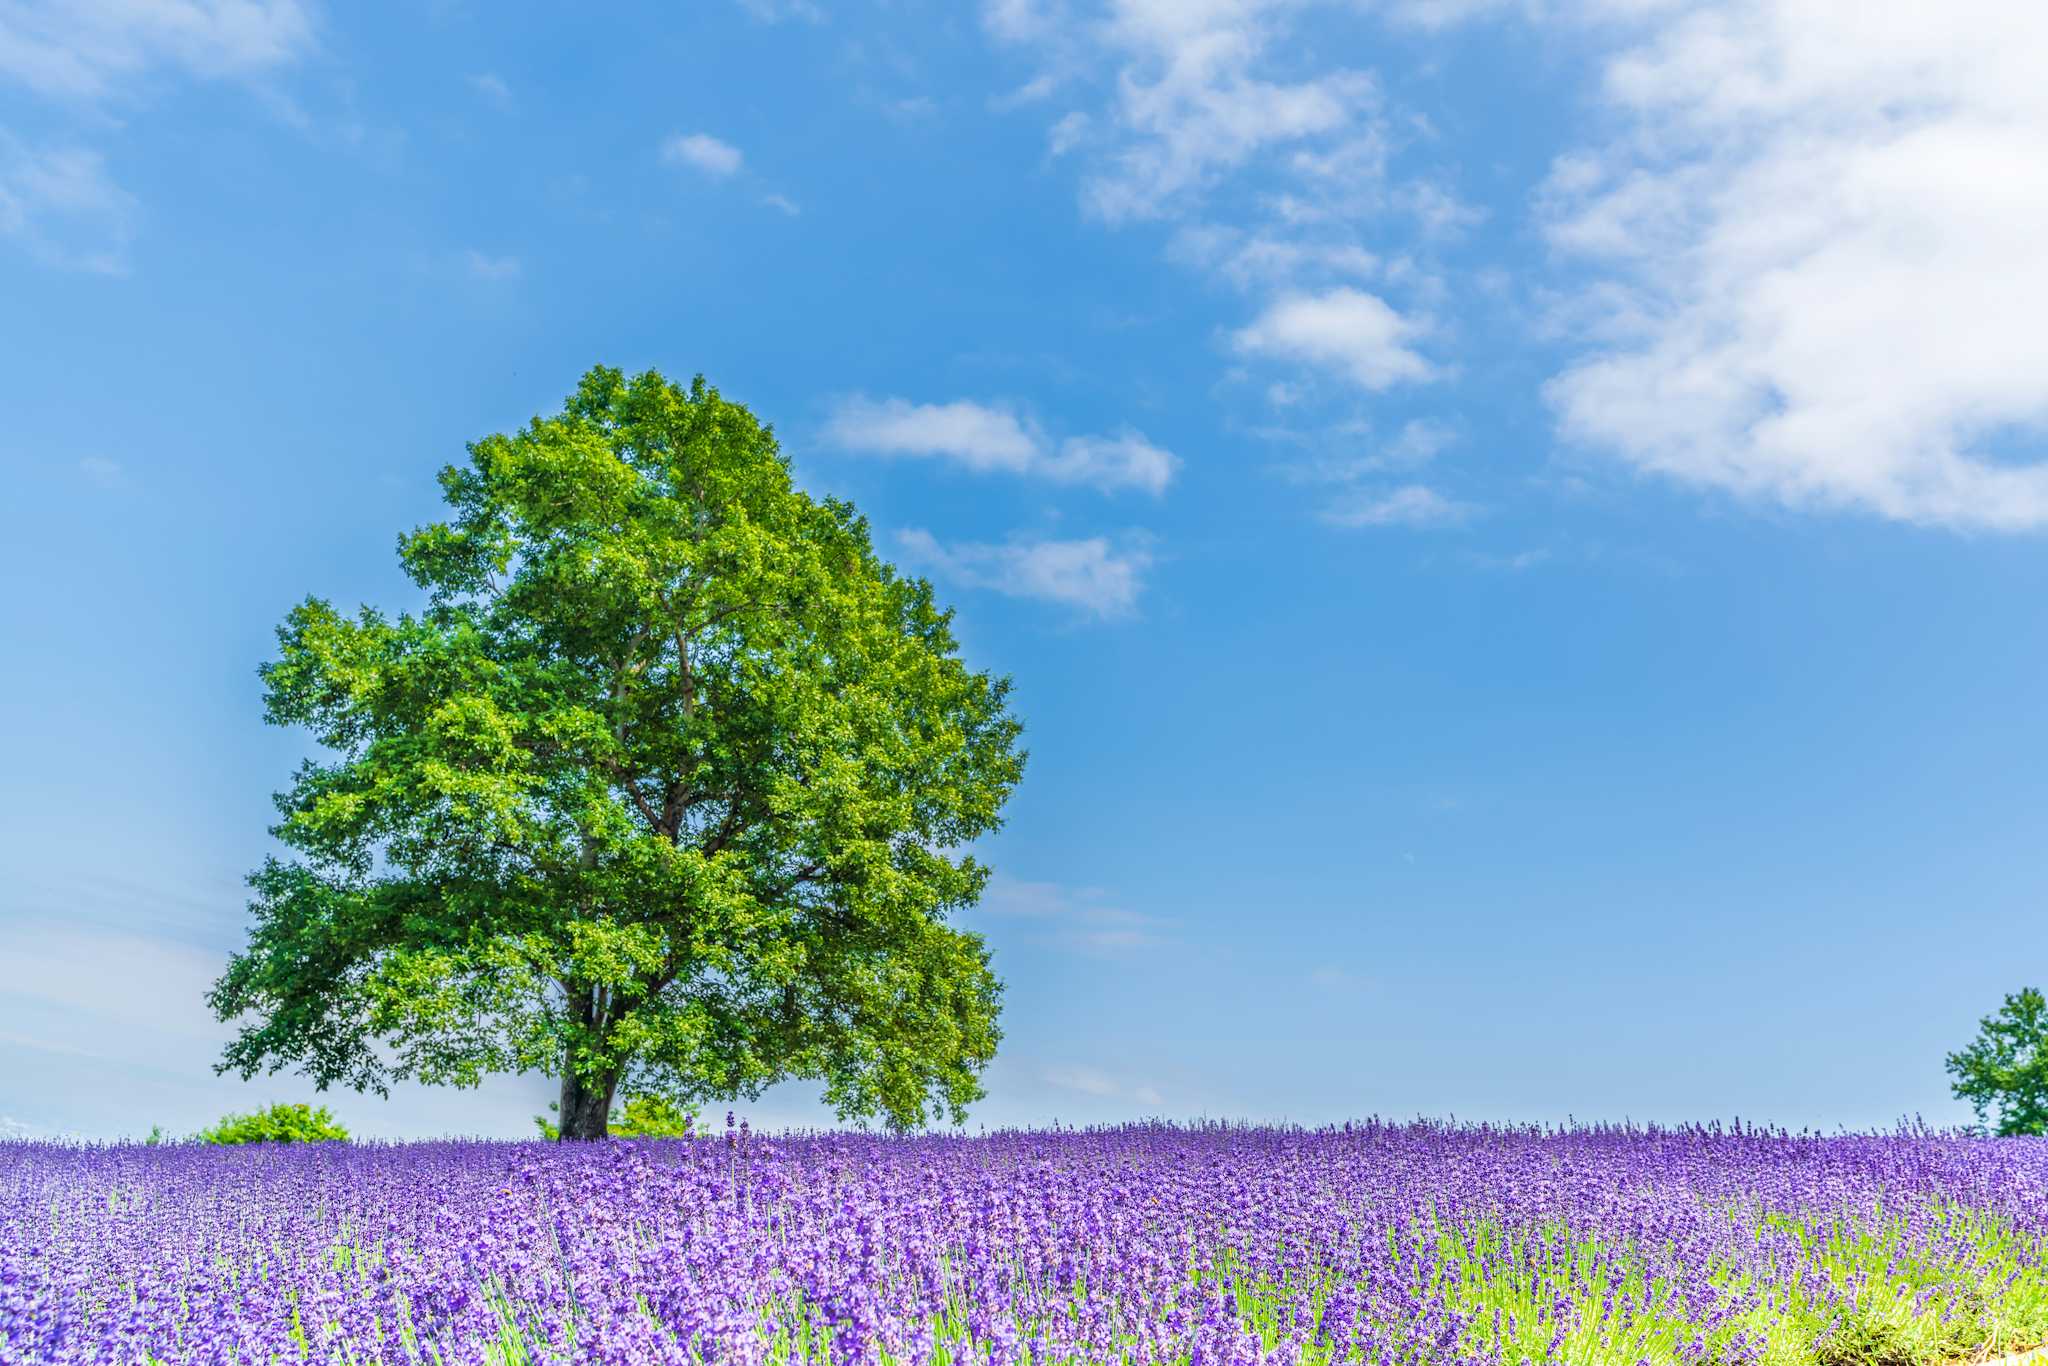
(658, 793)
(642, 1117)
(2006, 1067)
(277, 1124)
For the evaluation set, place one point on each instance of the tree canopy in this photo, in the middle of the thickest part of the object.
(663, 790)
(2006, 1067)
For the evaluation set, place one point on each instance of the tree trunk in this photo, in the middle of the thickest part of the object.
(586, 1105)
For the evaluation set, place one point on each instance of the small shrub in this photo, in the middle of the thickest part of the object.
(277, 1124)
(642, 1117)
(653, 1117)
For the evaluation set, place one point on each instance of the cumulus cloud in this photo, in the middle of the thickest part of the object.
(1091, 574)
(90, 48)
(1818, 273)
(977, 436)
(702, 152)
(986, 438)
(1346, 330)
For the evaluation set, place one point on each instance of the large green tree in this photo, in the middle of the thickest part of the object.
(663, 790)
(2006, 1067)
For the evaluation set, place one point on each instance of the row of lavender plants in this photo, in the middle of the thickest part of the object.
(1373, 1243)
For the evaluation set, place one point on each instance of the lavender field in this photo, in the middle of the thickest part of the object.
(1149, 1243)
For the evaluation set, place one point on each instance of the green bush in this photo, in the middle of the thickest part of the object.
(278, 1124)
(643, 1117)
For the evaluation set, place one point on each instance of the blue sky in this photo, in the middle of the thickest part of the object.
(1517, 527)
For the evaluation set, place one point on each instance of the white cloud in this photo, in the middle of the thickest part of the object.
(1411, 505)
(1819, 245)
(986, 438)
(1090, 574)
(1346, 330)
(978, 436)
(703, 152)
(485, 267)
(60, 204)
(782, 204)
(91, 48)
(1191, 105)
(1126, 460)
(1270, 156)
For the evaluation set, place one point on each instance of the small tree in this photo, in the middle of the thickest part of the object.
(2006, 1068)
(664, 789)
(277, 1124)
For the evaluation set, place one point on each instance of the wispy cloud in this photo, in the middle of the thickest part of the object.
(1085, 1079)
(1348, 453)
(702, 152)
(1091, 574)
(57, 199)
(87, 49)
(776, 11)
(1270, 160)
(492, 87)
(783, 204)
(1259, 257)
(102, 472)
(60, 204)
(484, 267)
(988, 438)
(1084, 918)
(911, 108)
(1516, 562)
(1411, 505)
